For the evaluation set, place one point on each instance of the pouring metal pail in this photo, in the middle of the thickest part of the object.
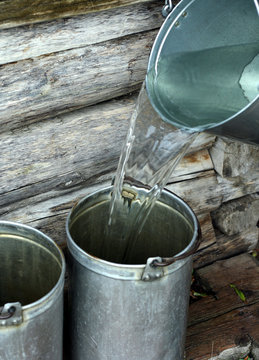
(122, 311)
(211, 52)
(32, 272)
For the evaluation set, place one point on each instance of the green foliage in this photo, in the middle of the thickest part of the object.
(239, 293)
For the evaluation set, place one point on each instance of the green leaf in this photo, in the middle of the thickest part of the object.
(195, 293)
(238, 292)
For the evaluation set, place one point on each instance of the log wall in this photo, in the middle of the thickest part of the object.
(69, 79)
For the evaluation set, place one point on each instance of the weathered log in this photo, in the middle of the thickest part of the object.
(69, 149)
(234, 188)
(191, 164)
(242, 271)
(201, 192)
(35, 89)
(233, 159)
(61, 153)
(207, 231)
(79, 31)
(244, 241)
(17, 12)
(237, 215)
(226, 246)
(235, 231)
(229, 331)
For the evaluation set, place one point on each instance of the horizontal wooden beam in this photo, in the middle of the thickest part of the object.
(20, 12)
(52, 158)
(32, 41)
(34, 89)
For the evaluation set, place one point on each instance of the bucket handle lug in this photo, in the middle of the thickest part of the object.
(11, 314)
(167, 8)
(170, 260)
(151, 271)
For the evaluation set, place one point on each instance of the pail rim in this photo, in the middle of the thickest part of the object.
(22, 230)
(165, 29)
(130, 271)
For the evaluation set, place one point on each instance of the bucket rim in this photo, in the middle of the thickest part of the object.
(158, 44)
(35, 305)
(129, 271)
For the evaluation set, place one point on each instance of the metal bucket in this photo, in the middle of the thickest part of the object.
(132, 311)
(32, 272)
(203, 71)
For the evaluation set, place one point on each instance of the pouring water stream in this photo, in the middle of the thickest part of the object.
(196, 90)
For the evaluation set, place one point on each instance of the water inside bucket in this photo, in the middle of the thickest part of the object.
(168, 230)
(200, 89)
(28, 270)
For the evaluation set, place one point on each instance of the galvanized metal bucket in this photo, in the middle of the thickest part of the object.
(211, 44)
(32, 272)
(132, 311)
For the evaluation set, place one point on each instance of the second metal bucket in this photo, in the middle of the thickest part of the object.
(139, 311)
(32, 272)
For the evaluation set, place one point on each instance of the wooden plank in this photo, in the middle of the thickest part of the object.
(33, 90)
(234, 159)
(20, 12)
(230, 331)
(62, 150)
(61, 153)
(51, 37)
(243, 241)
(242, 271)
(192, 163)
(207, 231)
(224, 321)
(234, 188)
(226, 246)
(202, 193)
(238, 167)
(237, 215)
(207, 256)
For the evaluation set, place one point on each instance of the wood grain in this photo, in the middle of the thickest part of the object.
(62, 152)
(79, 31)
(19, 12)
(224, 321)
(191, 164)
(211, 338)
(242, 271)
(38, 88)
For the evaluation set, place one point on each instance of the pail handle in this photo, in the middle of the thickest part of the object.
(166, 261)
(167, 8)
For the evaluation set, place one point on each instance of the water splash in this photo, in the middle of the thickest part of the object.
(257, 6)
(152, 150)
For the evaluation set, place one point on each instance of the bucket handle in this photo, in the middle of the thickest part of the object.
(166, 261)
(167, 8)
(154, 266)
